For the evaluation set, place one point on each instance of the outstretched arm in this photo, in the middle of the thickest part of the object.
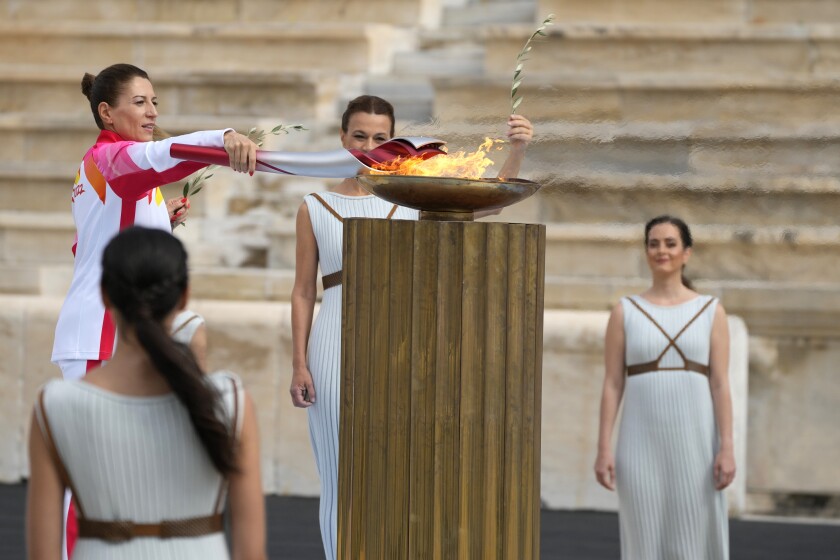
(133, 168)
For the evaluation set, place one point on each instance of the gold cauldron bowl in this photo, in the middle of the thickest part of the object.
(448, 198)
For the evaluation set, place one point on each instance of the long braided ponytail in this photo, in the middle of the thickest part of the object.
(144, 274)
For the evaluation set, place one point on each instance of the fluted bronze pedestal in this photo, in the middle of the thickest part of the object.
(441, 390)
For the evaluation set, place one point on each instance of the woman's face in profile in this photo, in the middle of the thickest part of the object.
(135, 113)
(366, 131)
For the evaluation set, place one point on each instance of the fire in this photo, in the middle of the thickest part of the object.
(459, 164)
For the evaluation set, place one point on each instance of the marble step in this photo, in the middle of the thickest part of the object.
(245, 284)
(638, 97)
(407, 12)
(457, 60)
(778, 51)
(35, 188)
(46, 188)
(566, 148)
(256, 47)
(584, 198)
(411, 95)
(488, 13)
(295, 95)
(769, 307)
(36, 237)
(678, 11)
(721, 252)
(63, 139)
(748, 200)
(659, 148)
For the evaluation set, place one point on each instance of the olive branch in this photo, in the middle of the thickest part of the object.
(520, 62)
(194, 185)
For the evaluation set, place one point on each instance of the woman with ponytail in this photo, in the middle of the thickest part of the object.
(150, 446)
(667, 356)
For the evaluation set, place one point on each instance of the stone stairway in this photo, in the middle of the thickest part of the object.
(214, 64)
(720, 111)
(716, 111)
(407, 12)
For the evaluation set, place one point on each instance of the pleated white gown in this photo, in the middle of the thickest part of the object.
(668, 506)
(324, 352)
(138, 459)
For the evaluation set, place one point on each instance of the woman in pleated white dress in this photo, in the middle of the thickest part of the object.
(151, 447)
(667, 355)
(367, 123)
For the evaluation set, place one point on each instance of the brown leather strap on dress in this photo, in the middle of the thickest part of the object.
(56, 458)
(688, 365)
(338, 216)
(332, 280)
(121, 531)
(328, 207)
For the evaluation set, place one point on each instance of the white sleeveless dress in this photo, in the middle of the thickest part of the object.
(324, 351)
(184, 326)
(668, 506)
(138, 459)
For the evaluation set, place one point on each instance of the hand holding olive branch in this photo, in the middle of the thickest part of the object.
(520, 62)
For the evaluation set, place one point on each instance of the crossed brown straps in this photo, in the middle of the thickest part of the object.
(672, 343)
(334, 279)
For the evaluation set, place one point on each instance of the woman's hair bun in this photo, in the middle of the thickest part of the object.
(87, 84)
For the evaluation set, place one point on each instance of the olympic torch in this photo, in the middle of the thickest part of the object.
(336, 164)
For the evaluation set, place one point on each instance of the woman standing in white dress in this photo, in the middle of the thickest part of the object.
(367, 123)
(150, 446)
(667, 355)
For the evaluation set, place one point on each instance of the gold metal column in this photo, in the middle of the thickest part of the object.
(441, 390)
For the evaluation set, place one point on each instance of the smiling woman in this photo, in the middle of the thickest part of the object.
(117, 186)
(667, 356)
(367, 123)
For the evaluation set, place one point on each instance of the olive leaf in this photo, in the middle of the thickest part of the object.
(521, 58)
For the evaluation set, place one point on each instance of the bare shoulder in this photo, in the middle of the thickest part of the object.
(720, 312)
(615, 324)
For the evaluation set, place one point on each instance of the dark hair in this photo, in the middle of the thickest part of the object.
(685, 236)
(370, 104)
(107, 86)
(144, 274)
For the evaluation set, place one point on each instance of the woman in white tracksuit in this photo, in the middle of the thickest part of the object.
(117, 186)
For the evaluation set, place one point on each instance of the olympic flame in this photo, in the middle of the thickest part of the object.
(459, 164)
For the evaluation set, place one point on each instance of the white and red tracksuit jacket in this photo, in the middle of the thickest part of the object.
(116, 187)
